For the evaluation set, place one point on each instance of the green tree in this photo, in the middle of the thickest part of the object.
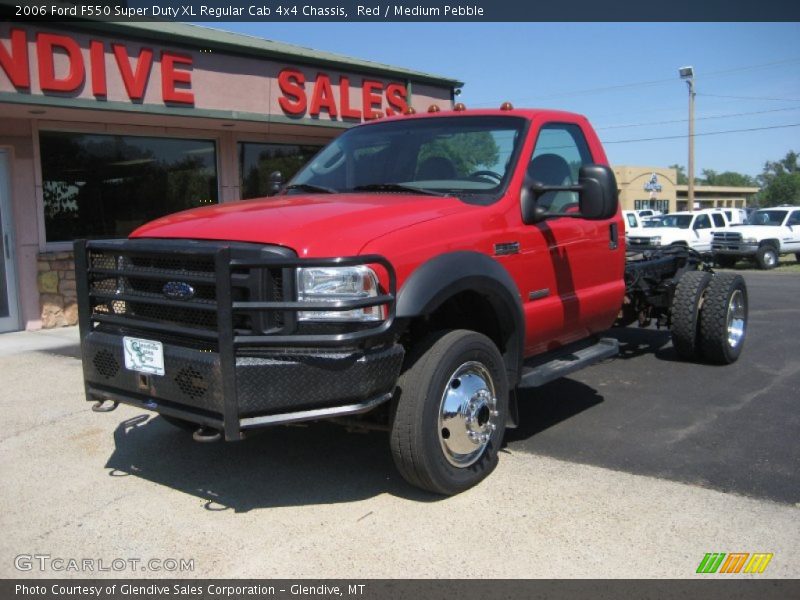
(682, 179)
(780, 181)
(726, 178)
(468, 152)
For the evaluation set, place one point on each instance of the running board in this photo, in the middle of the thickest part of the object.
(537, 373)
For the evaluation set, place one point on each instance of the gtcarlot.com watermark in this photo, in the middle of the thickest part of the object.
(60, 564)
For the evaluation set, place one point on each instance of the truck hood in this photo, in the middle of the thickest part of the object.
(760, 232)
(672, 233)
(313, 225)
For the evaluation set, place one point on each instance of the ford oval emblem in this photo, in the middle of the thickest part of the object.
(178, 290)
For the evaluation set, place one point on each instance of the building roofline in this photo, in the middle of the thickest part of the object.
(236, 43)
(719, 189)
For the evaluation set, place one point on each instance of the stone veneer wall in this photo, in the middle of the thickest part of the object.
(57, 296)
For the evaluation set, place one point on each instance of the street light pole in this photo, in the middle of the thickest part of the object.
(687, 73)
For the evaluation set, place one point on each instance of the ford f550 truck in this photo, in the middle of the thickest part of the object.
(413, 275)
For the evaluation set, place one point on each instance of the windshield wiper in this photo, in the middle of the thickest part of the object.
(310, 187)
(397, 187)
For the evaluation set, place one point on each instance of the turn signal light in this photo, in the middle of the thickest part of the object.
(506, 106)
(411, 110)
(459, 107)
(434, 108)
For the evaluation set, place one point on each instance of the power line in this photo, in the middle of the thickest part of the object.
(728, 116)
(645, 83)
(677, 137)
(751, 97)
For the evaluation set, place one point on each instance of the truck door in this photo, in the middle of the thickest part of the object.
(703, 232)
(793, 225)
(572, 268)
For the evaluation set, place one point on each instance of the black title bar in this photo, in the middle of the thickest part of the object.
(414, 10)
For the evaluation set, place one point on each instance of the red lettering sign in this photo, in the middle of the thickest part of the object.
(323, 96)
(369, 98)
(397, 97)
(135, 82)
(97, 58)
(15, 63)
(46, 43)
(292, 84)
(295, 101)
(53, 51)
(172, 73)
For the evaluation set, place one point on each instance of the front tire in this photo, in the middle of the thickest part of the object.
(723, 319)
(449, 412)
(767, 257)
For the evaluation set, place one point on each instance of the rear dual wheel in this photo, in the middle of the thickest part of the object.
(709, 316)
(449, 412)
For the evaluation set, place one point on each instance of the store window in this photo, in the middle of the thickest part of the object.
(105, 186)
(258, 161)
(660, 205)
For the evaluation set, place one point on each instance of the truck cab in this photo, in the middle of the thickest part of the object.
(694, 230)
(770, 233)
(414, 273)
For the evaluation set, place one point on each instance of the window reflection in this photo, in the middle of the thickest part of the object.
(258, 161)
(101, 186)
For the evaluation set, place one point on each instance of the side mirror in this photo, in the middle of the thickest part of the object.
(275, 183)
(598, 196)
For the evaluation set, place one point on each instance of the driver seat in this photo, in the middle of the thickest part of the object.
(552, 169)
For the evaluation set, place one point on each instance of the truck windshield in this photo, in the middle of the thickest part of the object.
(472, 157)
(773, 218)
(679, 221)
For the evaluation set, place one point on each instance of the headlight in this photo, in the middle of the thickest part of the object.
(338, 284)
(750, 240)
(656, 240)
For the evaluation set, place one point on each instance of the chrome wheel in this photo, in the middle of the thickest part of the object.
(467, 414)
(736, 319)
(770, 259)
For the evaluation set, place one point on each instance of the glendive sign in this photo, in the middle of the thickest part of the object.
(176, 77)
(294, 100)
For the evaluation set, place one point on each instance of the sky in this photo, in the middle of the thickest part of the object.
(623, 76)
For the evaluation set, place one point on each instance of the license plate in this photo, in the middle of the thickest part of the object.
(144, 356)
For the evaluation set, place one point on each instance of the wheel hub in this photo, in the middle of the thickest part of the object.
(735, 319)
(467, 414)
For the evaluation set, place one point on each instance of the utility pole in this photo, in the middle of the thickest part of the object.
(687, 74)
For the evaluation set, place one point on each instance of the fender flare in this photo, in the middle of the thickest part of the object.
(442, 277)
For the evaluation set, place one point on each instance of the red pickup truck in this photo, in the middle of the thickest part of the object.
(409, 278)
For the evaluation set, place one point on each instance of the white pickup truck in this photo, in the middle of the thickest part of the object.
(692, 229)
(770, 233)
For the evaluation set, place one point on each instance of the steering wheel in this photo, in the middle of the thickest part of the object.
(490, 174)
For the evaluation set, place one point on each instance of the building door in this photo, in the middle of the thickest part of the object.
(9, 315)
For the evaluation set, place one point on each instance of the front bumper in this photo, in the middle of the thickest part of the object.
(734, 249)
(235, 355)
(273, 388)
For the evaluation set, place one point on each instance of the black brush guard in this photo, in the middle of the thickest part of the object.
(243, 338)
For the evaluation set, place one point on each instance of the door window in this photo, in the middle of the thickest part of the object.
(560, 152)
(719, 221)
(702, 222)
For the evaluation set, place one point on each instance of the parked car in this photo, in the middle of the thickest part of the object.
(770, 233)
(692, 229)
(735, 216)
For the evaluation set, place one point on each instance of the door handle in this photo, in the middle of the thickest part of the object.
(613, 236)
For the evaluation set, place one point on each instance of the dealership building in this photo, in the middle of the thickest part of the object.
(104, 126)
(657, 188)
